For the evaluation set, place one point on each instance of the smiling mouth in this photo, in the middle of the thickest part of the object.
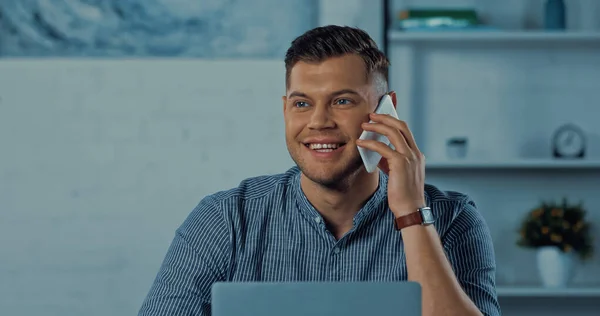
(324, 148)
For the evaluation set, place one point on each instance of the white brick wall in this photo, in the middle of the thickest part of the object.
(101, 161)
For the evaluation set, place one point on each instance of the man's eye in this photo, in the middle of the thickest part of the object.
(300, 104)
(343, 101)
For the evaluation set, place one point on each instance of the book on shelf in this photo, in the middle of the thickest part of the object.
(438, 19)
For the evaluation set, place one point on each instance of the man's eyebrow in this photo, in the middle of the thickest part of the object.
(344, 91)
(297, 94)
(333, 94)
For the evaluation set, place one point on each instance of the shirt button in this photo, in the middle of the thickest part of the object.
(336, 250)
(317, 219)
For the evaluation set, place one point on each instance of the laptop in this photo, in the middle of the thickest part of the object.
(316, 299)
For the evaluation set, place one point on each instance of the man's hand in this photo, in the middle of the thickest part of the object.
(405, 166)
(426, 260)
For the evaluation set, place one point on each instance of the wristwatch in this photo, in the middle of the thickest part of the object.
(423, 216)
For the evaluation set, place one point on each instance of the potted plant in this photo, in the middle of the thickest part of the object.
(560, 234)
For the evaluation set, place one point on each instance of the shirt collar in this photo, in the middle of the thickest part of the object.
(368, 211)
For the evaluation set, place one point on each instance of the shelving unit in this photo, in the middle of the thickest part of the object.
(507, 92)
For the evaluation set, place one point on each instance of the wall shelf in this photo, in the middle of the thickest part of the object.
(515, 164)
(592, 292)
(528, 37)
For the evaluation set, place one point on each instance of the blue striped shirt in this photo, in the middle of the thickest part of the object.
(266, 230)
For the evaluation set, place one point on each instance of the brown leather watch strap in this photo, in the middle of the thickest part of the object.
(411, 219)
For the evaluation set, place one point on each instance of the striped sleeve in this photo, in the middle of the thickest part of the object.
(470, 251)
(197, 257)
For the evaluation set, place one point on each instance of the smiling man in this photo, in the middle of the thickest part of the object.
(328, 219)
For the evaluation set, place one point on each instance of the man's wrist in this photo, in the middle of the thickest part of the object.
(403, 210)
(422, 216)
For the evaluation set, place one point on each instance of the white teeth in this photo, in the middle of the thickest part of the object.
(324, 146)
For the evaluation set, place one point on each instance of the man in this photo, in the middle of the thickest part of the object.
(328, 219)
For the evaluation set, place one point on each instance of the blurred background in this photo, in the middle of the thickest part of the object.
(117, 117)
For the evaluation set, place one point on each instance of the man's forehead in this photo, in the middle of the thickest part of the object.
(348, 72)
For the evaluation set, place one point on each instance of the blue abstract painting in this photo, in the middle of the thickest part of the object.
(150, 28)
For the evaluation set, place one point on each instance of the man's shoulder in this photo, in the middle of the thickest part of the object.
(448, 205)
(220, 206)
(436, 195)
(258, 187)
(214, 215)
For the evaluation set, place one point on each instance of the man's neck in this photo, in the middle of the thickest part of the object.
(339, 206)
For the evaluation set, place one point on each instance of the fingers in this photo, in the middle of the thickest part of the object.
(398, 125)
(392, 134)
(384, 150)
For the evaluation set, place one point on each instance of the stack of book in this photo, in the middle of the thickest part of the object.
(438, 19)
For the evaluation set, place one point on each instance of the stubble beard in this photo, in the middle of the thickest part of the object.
(338, 178)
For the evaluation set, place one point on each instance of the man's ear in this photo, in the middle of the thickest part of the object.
(393, 96)
(284, 100)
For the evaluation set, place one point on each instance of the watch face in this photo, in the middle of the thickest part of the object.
(427, 216)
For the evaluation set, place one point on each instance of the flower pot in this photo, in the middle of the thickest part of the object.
(554, 266)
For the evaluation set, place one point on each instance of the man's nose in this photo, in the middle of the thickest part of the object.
(321, 118)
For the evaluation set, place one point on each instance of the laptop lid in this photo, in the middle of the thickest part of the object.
(316, 299)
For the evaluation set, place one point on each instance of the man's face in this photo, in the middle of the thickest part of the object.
(324, 107)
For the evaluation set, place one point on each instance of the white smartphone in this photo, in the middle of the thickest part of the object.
(371, 158)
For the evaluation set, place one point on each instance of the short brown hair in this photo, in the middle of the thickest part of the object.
(329, 41)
